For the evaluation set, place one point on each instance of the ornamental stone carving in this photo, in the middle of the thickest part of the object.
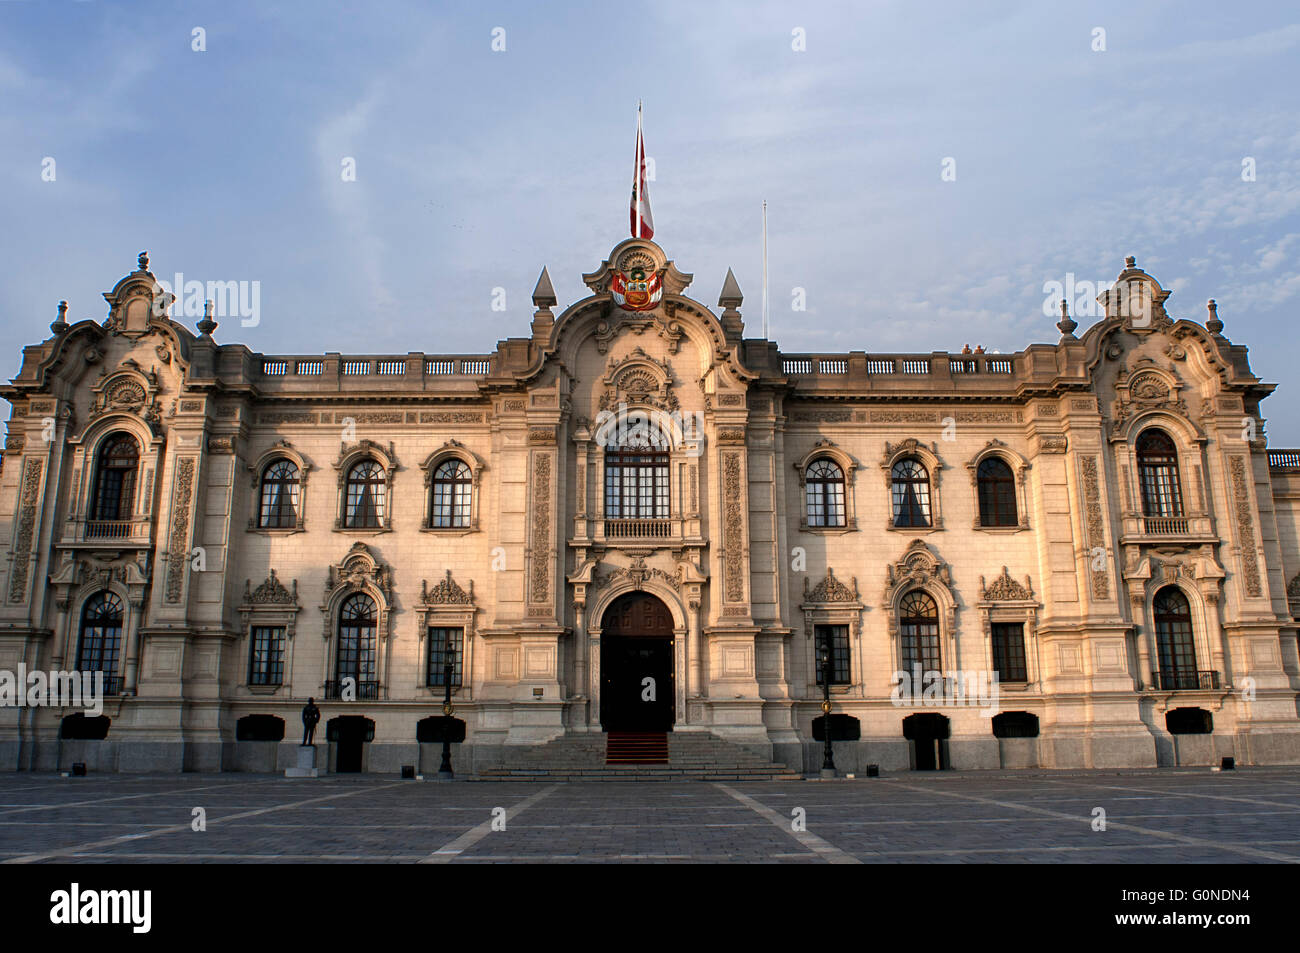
(637, 573)
(270, 592)
(1006, 589)
(830, 589)
(446, 593)
(178, 545)
(359, 568)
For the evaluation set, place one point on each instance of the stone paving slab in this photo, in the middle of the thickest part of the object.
(1193, 817)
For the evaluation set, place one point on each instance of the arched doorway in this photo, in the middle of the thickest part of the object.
(349, 733)
(638, 691)
(928, 732)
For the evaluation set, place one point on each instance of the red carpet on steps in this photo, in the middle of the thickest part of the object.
(628, 747)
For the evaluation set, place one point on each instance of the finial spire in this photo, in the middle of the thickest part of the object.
(544, 293)
(1067, 324)
(1130, 262)
(1212, 323)
(731, 296)
(60, 324)
(207, 325)
(143, 260)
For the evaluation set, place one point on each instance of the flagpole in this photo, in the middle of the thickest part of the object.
(636, 171)
(765, 268)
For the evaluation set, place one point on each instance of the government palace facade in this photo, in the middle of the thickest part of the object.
(634, 518)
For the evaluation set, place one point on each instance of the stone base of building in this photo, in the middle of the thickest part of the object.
(1116, 745)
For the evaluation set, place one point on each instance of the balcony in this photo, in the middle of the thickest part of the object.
(132, 532)
(1197, 528)
(1186, 681)
(1165, 525)
(366, 691)
(638, 529)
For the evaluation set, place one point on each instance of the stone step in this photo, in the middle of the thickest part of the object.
(689, 757)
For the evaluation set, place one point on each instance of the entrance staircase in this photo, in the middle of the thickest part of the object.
(624, 756)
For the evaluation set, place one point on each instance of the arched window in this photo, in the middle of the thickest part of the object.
(367, 488)
(1174, 641)
(918, 625)
(911, 484)
(1157, 460)
(997, 493)
(452, 485)
(824, 493)
(114, 496)
(101, 637)
(279, 506)
(358, 622)
(636, 474)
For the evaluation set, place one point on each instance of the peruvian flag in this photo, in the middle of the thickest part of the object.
(643, 223)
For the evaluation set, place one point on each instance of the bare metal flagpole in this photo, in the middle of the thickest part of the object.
(764, 268)
(636, 172)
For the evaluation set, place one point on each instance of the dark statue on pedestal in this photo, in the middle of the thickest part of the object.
(310, 717)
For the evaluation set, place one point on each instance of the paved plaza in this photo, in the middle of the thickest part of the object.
(1193, 816)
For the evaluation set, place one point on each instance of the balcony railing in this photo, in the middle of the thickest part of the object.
(1187, 681)
(114, 529)
(108, 529)
(1195, 526)
(964, 365)
(291, 366)
(1284, 459)
(1165, 525)
(365, 690)
(638, 529)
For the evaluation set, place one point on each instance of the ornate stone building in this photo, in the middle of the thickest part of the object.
(636, 518)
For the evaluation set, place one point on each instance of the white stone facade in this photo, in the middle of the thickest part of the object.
(536, 554)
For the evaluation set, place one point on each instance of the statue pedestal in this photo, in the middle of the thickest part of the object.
(306, 767)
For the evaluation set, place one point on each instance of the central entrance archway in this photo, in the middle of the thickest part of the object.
(638, 691)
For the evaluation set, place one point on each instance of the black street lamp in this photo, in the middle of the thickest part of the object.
(828, 756)
(448, 660)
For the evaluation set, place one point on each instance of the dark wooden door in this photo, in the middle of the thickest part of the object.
(638, 683)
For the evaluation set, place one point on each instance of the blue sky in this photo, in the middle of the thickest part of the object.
(475, 168)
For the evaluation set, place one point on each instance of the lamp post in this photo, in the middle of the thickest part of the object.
(448, 659)
(828, 757)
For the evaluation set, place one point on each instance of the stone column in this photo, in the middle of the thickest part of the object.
(580, 650)
(696, 650)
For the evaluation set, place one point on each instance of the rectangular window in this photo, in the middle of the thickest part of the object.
(437, 672)
(920, 646)
(839, 644)
(636, 485)
(1009, 651)
(266, 658)
(451, 504)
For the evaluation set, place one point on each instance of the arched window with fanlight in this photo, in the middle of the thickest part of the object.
(997, 493)
(1175, 643)
(367, 491)
(911, 493)
(1157, 461)
(452, 487)
(824, 493)
(113, 494)
(918, 627)
(356, 657)
(636, 473)
(281, 484)
(100, 637)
